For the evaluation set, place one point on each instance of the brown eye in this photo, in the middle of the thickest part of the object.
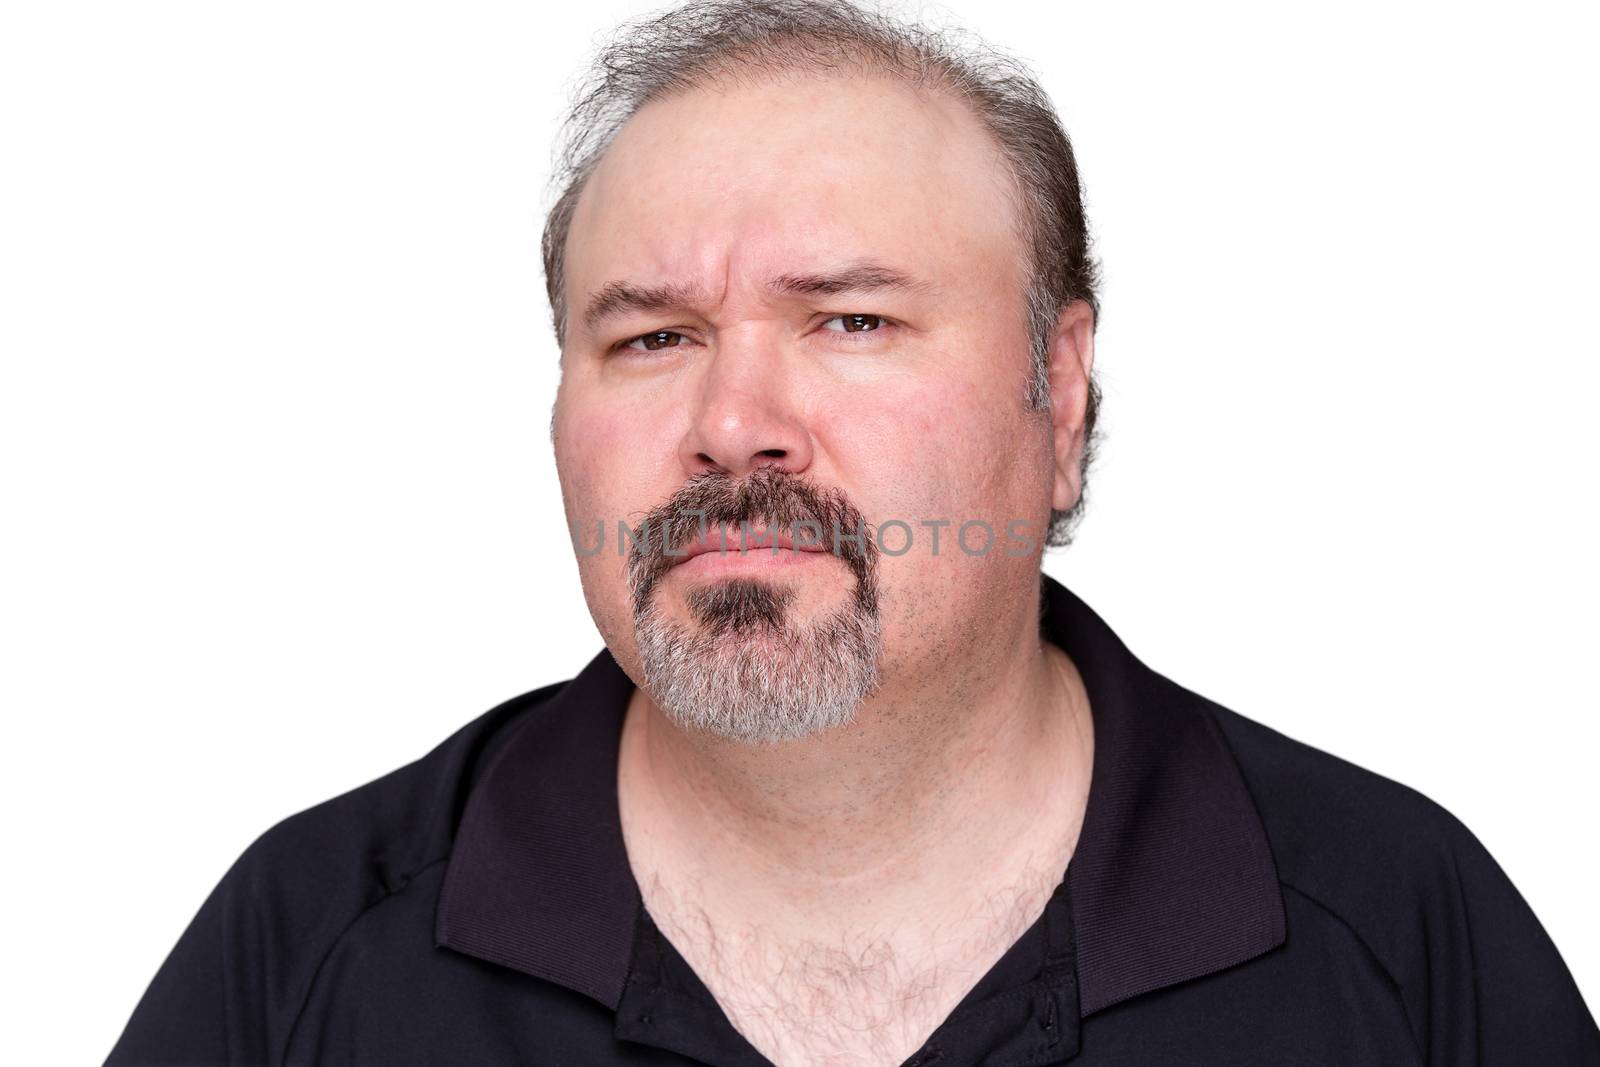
(655, 341)
(855, 323)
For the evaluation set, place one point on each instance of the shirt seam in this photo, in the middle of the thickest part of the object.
(407, 879)
(1472, 953)
(1396, 988)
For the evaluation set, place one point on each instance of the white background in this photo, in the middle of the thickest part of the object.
(281, 512)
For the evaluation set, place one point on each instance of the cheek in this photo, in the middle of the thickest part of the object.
(585, 478)
(602, 456)
(608, 475)
(951, 449)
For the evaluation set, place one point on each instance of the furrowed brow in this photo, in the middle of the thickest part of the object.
(858, 276)
(616, 298)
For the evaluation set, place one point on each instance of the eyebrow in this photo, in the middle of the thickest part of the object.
(856, 276)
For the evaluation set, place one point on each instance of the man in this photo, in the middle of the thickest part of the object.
(850, 783)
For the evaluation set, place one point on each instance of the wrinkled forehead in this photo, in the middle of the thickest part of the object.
(725, 187)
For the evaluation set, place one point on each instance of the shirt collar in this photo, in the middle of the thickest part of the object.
(1172, 877)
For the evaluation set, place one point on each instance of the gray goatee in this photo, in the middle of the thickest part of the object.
(745, 670)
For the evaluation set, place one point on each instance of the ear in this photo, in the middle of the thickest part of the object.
(1071, 362)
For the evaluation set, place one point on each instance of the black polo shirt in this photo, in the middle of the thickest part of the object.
(1235, 898)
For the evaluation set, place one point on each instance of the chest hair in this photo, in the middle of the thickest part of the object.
(851, 998)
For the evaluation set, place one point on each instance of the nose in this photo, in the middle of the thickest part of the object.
(744, 416)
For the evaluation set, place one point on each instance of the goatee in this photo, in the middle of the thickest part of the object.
(746, 670)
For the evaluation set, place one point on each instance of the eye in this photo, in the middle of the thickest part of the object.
(856, 323)
(653, 341)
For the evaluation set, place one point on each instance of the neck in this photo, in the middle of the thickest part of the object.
(980, 767)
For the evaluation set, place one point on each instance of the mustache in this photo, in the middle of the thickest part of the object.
(768, 497)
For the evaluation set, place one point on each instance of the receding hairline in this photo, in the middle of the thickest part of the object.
(731, 73)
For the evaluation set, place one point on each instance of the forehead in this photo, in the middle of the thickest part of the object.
(732, 186)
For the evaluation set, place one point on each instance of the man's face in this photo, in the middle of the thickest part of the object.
(847, 341)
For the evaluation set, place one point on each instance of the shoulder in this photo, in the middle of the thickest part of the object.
(1394, 867)
(375, 837)
(1377, 853)
(231, 989)
(1418, 890)
(302, 885)
(1356, 842)
(1363, 851)
(1334, 825)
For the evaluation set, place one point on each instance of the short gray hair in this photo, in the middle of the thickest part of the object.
(704, 41)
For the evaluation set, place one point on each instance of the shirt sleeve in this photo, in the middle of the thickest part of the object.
(1497, 990)
(230, 992)
(201, 1007)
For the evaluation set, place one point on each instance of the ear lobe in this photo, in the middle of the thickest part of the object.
(1071, 363)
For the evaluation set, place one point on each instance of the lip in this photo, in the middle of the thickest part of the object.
(729, 545)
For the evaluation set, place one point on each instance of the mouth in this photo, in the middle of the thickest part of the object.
(723, 549)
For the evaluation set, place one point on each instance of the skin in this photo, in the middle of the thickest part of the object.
(932, 828)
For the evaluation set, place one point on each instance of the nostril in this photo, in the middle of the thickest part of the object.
(773, 453)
